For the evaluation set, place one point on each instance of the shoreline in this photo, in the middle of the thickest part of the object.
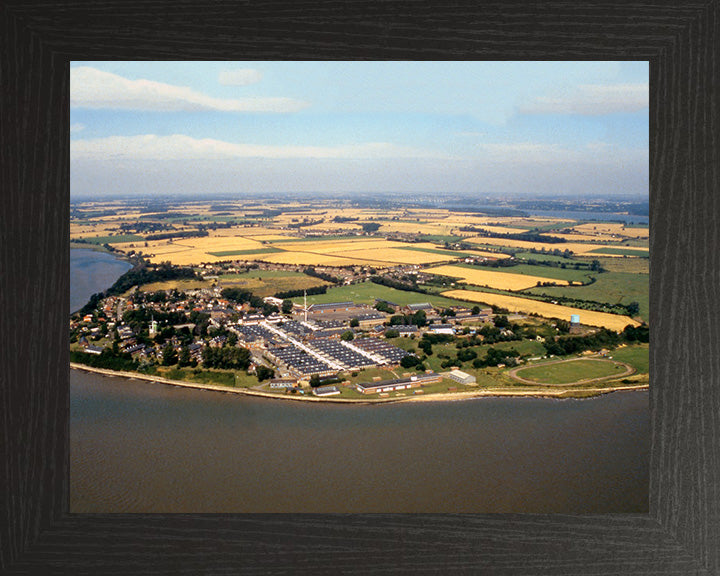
(561, 394)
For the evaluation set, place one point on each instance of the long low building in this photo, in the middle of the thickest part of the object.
(398, 384)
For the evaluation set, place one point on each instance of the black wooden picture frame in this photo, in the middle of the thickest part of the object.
(680, 535)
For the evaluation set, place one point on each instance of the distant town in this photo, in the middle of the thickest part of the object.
(354, 302)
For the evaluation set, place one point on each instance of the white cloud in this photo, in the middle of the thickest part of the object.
(181, 147)
(92, 88)
(240, 77)
(592, 100)
(77, 127)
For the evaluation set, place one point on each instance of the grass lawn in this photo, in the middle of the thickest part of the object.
(367, 292)
(571, 371)
(268, 282)
(637, 355)
(544, 257)
(180, 285)
(621, 252)
(628, 265)
(114, 239)
(610, 288)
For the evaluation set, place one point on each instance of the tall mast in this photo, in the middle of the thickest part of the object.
(305, 303)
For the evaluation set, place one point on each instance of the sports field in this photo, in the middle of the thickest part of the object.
(573, 371)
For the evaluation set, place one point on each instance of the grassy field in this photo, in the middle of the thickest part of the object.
(637, 355)
(113, 239)
(628, 265)
(621, 252)
(268, 282)
(570, 371)
(544, 257)
(568, 274)
(366, 293)
(610, 287)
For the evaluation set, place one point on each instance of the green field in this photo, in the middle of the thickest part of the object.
(638, 356)
(114, 239)
(621, 252)
(628, 265)
(570, 371)
(610, 288)
(569, 274)
(367, 292)
(268, 250)
(544, 257)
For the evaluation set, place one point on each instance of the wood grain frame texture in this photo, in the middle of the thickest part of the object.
(681, 533)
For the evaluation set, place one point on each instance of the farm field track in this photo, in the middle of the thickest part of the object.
(491, 278)
(544, 309)
(571, 372)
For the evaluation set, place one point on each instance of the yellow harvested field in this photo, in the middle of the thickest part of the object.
(313, 259)
(394, 255)
(527, 306)
(586, 237)
(492, 279)
(423, 227)
(573, 247)
(616, 228)
(332, 226)
(332, 246)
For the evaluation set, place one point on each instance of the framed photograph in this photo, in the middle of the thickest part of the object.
(665, 523)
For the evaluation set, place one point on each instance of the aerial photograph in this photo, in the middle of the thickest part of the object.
(359, 286)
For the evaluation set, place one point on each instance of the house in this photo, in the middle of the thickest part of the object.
(398, 384)
(412, 308)
(326, 391)
(462, 377)
(441, 329)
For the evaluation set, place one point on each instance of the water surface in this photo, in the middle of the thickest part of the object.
(143, 447)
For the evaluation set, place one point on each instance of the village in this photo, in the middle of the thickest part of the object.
(291, 346)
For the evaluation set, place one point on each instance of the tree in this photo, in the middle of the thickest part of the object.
(264, 373)
(370, 227)
(426, 346)
(287, 306)
(419, 318)
(475, 310)
(169, 356)
(633, 308)
(347, 335)
(314, 380)
(409, 361)
(354, 323)
(501, 322)
(184, 357)
(391, 334)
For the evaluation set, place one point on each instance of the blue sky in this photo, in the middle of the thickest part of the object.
(511, 128)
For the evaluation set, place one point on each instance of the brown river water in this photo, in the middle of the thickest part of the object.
(142, 447)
